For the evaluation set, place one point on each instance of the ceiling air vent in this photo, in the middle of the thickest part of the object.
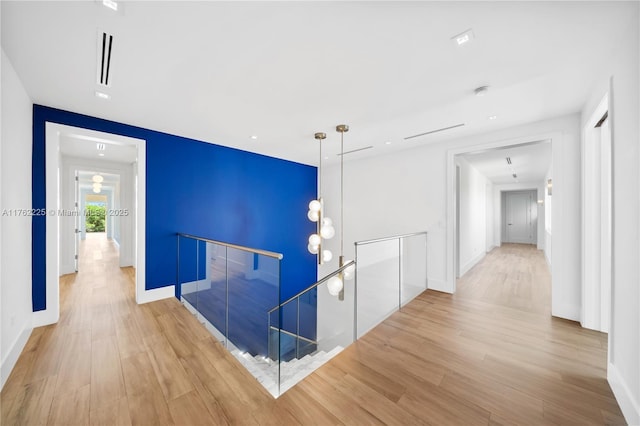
(434, 131)
(105, 45)
(356, 150)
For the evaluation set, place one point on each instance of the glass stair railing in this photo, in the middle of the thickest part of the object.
(296, 347)
(235, 292)
(391, 272)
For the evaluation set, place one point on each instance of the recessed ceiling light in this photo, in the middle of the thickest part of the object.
(254, 137)
(113, 5)
(492, 117)
(463, 38)
(326, 157)
(102, 95)
(101, 154)
(387, 143)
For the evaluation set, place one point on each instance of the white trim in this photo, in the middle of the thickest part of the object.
(591, 222)
(630, 408)
(470, 264)
(437, 285)
(52, 165)
(13, 354)
(156, 294)
(566, 311)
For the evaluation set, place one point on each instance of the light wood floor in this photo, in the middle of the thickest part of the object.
(491, 354)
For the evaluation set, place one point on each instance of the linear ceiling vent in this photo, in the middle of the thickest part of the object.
(356, 150)
(105, 45)
(509, 160)
(434, 131)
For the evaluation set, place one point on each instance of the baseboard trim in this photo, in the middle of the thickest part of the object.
(438, 285)
(45, 317)
(155, 294)
(569, 312)
(630, 408)
(470, 264)
(14, 353)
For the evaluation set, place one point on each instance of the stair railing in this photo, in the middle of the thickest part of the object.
(391, 271)
(312, 322)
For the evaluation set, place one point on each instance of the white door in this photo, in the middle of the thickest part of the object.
(519, 227)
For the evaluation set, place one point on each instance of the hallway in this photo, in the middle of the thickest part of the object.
(467, 359)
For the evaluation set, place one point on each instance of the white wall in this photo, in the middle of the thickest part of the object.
(406, 192)
(16, 312)
(473, 220)
(620, 78)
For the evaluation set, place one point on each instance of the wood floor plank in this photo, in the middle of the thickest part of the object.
(75, 368)
(33, 404)
(169, 372)
(114, 414)
(189, 409)
(71, 408)
(138, 374)
(107, 384)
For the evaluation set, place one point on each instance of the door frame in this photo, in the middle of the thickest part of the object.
(53, 160)
(451, 226)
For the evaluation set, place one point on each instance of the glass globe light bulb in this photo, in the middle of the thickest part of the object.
(315, 206)
(313, 216)
(326, 221)
(312, 249)
(334, 285)
(349, 272)
(327, 232)
(314, 239)
(327, 255)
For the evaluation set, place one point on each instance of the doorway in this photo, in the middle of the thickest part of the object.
(520, 217)
(60, 197)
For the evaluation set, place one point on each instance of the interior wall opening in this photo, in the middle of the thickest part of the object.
(500, 235)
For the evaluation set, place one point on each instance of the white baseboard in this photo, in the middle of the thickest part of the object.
(570, 312)
(45, 317)
(14, 353)
(67, 268)
(630, 408)
(470, 264)
(156, 294)
(438, 285)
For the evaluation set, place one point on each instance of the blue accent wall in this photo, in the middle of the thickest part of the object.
(201, 189)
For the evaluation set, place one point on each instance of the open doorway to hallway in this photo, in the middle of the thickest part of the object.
(68, 152)
(501, 232)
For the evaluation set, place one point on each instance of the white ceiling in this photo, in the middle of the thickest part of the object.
(223, 71)
(529, 162)
(81, 146)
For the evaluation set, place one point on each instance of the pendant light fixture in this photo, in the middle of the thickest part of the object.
(335, 285)
(324, 225)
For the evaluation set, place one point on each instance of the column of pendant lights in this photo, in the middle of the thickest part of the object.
(97, 183)
(324, 224)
